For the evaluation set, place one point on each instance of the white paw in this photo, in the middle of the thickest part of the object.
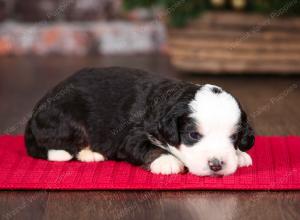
(244, 159)
(59, 155)
(166, 164)
(86, 155)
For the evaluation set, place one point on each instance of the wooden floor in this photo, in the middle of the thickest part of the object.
(272, 104)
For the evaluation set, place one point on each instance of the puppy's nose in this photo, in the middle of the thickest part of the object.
(215, 164)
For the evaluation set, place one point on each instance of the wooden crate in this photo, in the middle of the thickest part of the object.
(237, 43)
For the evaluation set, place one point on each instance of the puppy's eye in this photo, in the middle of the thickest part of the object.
(234, 137)
(195, 135)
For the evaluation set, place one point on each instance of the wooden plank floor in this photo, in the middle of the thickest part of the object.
(273, 106)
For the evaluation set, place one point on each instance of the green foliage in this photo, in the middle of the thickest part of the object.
(288, 8)
(181, 11)
(131, 4)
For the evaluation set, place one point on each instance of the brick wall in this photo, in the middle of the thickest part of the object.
(71, 10)
(76, 27)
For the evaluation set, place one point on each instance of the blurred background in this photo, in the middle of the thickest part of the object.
(249, 47)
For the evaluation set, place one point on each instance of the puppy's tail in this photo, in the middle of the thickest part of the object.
(33, 149)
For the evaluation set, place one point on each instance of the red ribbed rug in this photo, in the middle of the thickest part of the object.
(276, 167)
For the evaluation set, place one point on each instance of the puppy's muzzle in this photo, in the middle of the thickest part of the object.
(215, 164)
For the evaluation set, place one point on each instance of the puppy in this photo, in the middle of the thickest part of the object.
(129, 115)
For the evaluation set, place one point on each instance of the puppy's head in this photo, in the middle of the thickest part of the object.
(207, 132)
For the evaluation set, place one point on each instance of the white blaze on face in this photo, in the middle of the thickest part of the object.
(216, 115)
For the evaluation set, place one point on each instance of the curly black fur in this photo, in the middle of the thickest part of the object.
(112, 110)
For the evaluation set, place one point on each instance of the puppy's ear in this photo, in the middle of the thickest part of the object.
(168, 127)
(246, 137)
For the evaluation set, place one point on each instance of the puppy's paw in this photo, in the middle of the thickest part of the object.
(166, 164)
(244, 159)
(59, 155)
(86, 155)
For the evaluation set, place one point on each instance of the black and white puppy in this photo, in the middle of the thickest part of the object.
(130, 115)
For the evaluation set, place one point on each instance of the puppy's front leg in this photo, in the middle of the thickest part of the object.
(244, 159)
(163, 163)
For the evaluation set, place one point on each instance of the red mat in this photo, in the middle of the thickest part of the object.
(276, 167)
